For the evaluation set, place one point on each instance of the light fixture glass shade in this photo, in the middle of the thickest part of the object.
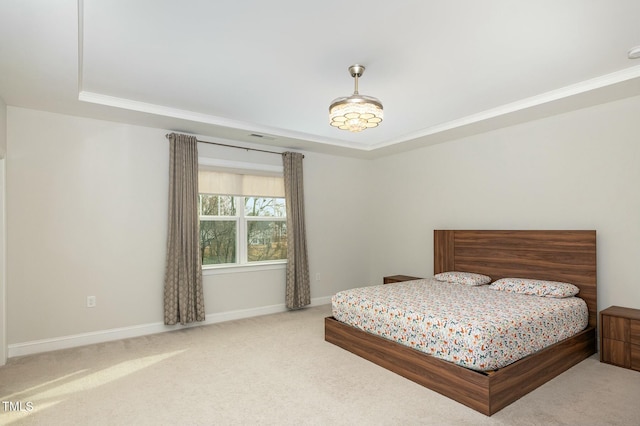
(357, 112)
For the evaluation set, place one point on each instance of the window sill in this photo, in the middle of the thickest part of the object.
(233, 269)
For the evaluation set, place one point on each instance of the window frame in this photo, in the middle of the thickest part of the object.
(242, 264)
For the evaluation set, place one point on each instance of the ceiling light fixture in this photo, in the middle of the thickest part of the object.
(357, 112)
(634, 53)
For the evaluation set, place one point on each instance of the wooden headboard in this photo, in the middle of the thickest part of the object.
(568, 256)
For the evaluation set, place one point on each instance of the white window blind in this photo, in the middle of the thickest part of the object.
(239, 184)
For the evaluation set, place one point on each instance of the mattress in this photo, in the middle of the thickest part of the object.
(472, 326)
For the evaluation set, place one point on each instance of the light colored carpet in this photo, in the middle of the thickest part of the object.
(276, 370)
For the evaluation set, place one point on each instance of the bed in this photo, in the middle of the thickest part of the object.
(568, 256)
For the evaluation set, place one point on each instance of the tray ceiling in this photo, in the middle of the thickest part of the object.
(231, 70)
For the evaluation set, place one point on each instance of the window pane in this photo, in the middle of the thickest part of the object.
(217, 205)
(217, 241)
(266, 240)
(266, 207)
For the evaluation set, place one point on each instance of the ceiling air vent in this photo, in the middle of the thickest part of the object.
(256, 135)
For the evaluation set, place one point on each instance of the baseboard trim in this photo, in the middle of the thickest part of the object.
(83, 339)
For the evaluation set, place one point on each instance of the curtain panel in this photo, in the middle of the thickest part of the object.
(298, 292)
(183, 291)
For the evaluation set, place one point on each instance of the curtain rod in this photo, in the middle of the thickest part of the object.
(234, 146)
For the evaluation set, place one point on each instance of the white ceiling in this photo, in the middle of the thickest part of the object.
(229, 69)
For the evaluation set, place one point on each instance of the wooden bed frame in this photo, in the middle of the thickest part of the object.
(568, 256)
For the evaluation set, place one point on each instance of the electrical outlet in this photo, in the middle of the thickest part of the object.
(317, 276)
(91, 301)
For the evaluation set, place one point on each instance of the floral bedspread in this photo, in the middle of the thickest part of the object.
(475, 327)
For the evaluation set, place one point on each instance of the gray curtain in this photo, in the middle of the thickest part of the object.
(183, 293)
(298, 292)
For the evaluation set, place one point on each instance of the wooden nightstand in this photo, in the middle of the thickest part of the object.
(620, 337)
(398, 278)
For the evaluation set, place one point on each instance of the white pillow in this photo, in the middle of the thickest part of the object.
(468, 278)
(531, 287)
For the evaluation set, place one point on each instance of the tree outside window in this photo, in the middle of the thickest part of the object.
(232, 235)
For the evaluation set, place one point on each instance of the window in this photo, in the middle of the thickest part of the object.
(266, 225)
(237, 228)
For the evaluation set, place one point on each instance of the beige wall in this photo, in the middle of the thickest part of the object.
(85, 216)
(3, 149)
(86, 211)
(573, 171)
(3, 128)
(337, 255)
(3, 278)
(86, 203)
